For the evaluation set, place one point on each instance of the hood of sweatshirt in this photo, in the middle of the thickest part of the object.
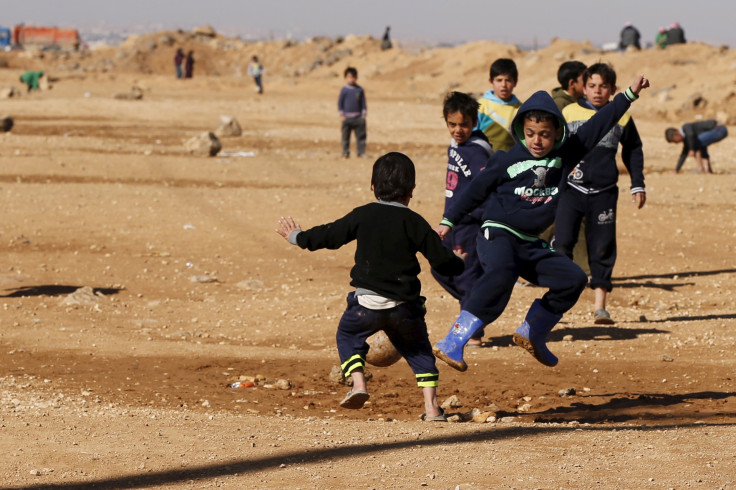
(539, 101)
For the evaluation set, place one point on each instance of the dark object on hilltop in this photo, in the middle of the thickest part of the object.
(630, 36)
(386, 40)
(675, 34)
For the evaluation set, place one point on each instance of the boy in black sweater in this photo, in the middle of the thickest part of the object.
(387, 289)
(519, 190)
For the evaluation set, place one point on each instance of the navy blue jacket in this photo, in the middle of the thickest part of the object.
(521, 191)
(464, 162)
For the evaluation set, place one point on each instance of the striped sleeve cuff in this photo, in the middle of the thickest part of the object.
(630, 95)
(292, 237)
(446, 222)
(638, 190)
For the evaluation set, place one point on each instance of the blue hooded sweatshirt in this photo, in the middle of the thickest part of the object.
(520, 191)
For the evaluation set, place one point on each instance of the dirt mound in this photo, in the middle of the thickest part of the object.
(681, 90)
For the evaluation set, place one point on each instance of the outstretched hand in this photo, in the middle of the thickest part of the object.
(639, 84)
(287, 226)
(442, 231)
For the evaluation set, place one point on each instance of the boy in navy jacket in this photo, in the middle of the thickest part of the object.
(520, 190)
(592, 190)
(467, 155)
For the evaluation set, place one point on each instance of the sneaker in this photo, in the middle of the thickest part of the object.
(602, 317)
(355, 399)
(437, 418)
(346, 155)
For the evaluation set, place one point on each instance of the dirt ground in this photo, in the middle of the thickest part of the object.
(128, 386)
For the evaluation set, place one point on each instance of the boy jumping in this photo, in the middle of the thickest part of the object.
(520, 189)
(387, 289)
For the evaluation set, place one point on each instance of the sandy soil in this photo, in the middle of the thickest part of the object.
(192, 290)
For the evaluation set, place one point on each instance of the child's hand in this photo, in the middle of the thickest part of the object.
(639, 199)
(458, 250)
(287, 226)
(442, 231)
(639, 84)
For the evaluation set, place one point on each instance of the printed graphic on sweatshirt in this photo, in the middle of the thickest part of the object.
(538, 191)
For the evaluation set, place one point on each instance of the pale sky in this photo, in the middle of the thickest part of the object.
(514, 21)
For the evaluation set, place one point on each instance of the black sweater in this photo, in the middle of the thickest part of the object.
(388, 235)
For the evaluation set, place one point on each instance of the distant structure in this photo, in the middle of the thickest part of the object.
(386, 40)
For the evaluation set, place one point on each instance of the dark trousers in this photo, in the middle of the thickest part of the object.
(505, 258)
(460, 286)
(599, 211)
(259, 83)
(404, 325)
(356, 124)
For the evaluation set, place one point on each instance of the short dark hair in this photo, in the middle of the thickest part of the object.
(393, 177)
(569, 70)
(539, 116)
(462, 103)
(350, 70)
(604, 70)
(504, 66)
(669, 134)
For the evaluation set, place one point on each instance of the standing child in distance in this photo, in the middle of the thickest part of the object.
(178, 62)
(255, 70)
(571, 89)
(695, 138)
(519, 190)
(499, 104)
(591, 192)
(352, 108)
(467, 155)
(387, 289)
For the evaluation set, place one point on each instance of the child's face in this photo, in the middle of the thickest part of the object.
(597, 91)
(540, 136)
(577, 87)
(677, 138)
(460, 126)
(503, 86)
(351, 79)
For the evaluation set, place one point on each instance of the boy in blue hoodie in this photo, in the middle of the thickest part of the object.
(466, 157)
(498, 105)
(519, 190)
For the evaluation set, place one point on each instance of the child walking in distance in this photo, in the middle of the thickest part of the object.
(499, 104)
(591, 192)
(519, 190)
(387, 289)
(255, 70)
(352, 108)
(467, 155)
(695, 138)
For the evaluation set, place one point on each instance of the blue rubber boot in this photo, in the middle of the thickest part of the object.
(450, 349)
(532, 334)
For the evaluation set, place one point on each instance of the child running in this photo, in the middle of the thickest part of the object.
(519, 190)
(387, 289)
(467, 155)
